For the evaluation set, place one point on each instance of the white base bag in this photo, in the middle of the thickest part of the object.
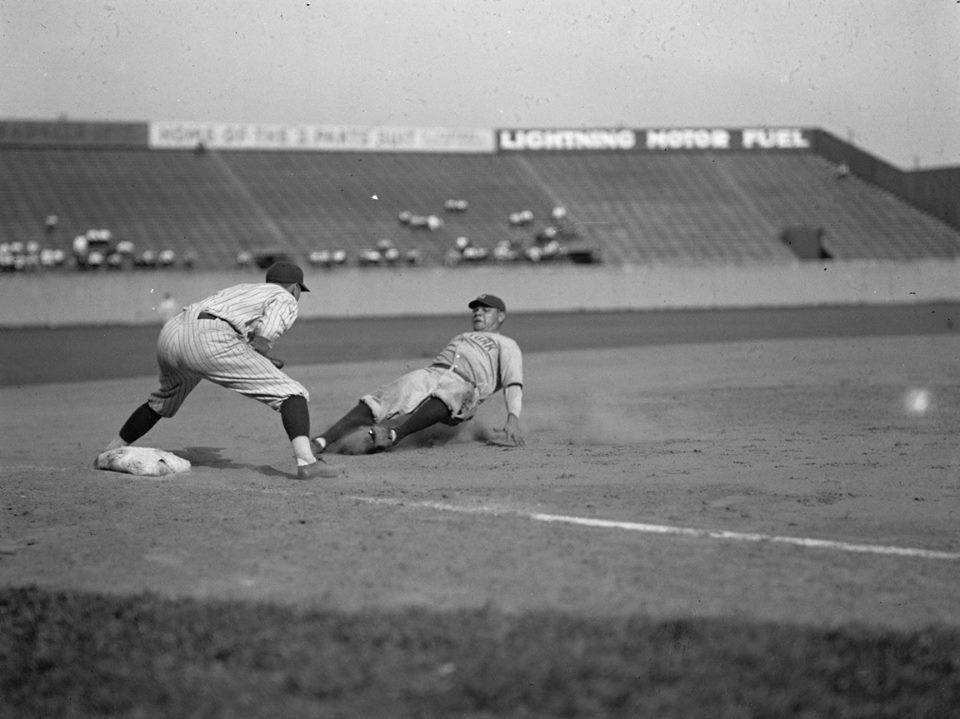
(143, 461)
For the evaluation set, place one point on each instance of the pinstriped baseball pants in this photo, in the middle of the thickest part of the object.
(189, 350)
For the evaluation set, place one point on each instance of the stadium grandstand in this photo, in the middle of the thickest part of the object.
(88, 196)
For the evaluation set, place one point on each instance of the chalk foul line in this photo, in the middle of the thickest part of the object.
(807, 542)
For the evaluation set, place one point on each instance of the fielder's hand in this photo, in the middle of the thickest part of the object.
(262, 346)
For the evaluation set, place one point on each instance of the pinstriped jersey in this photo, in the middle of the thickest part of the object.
(490, 359)
(263, 309)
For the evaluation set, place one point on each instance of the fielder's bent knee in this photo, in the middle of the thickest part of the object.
(164, 409)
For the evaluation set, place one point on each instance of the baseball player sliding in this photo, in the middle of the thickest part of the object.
(226, 339)
(469, 369)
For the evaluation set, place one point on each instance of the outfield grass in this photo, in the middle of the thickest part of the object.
(76, 654)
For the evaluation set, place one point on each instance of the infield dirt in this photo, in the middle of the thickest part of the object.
(806, 438)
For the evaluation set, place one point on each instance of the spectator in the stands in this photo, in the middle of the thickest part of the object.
(369, 257)
(319, 258)
(388, 250)
(475, 254)
(26, 256)
(521, 218)
(464, 250)
(95, 259)
(560, 221)
(147, 258)
(505, 251)
(566, 230)
(546, 240)
(100, 237)
(428, 222)
(50, 223)
(455, 254)
(80, 250)
(51, 257)
(125, 247)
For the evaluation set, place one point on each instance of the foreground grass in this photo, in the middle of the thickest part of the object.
(75, 654)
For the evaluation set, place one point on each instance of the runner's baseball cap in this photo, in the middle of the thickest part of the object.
(488, 301)
(286, 273)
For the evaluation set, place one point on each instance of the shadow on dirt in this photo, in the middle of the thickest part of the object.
(213, 457)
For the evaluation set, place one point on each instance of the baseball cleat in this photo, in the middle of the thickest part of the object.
(320, 470)
(382, 437)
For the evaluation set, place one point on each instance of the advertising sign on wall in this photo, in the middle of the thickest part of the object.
(68, 133)
(599, 139)
(654, 139)
(330, 138)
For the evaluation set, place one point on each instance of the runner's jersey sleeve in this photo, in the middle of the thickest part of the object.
(491, 360)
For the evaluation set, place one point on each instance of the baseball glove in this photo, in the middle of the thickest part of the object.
(261, 346)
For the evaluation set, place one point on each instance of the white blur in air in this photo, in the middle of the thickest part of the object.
(917, 401)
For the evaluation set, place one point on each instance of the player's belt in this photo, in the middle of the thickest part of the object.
(207, 316)
(456, 370)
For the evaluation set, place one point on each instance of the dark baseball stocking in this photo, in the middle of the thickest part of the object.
(359, 416)
(139, 423)
(430, 411)
(295, 416)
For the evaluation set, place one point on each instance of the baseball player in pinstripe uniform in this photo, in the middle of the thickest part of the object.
(226, 339)
(467, 371)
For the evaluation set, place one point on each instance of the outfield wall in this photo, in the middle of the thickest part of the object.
(53, 298)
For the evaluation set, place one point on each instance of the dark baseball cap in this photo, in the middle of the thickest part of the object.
(286, 273)
(488, 301)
